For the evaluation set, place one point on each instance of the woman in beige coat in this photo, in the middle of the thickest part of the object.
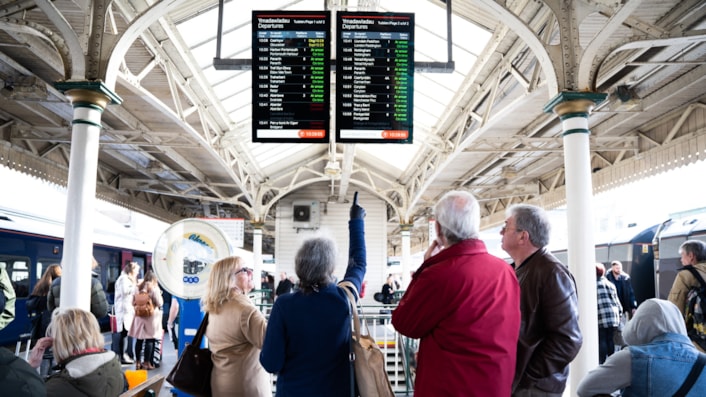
(236, 331)
(147, 329)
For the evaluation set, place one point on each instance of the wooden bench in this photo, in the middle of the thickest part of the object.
(154, 383)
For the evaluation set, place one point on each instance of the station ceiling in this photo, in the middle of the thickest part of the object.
(179, 145)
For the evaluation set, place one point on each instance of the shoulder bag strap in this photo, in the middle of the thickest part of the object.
(353, 314)
(347, 286)
(201, 332)
(692, 377)
(696, 274)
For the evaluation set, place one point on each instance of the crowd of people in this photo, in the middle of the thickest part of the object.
(68, 355)
(485, 327)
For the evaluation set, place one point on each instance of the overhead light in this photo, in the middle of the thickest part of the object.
(508, 172)
(24, 88)
(624, 99)
(332, 168)
(154, 167)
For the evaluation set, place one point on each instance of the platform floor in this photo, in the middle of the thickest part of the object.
(169, 358)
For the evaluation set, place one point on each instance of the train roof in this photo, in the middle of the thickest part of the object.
(106, 231)
(684, 226)
(630, 234)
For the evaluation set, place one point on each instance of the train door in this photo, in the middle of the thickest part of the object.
(633, 248)
(667, 261)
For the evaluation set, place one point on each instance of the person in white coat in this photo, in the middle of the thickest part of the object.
(125, 288)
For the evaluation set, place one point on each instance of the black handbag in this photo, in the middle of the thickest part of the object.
(192, 372)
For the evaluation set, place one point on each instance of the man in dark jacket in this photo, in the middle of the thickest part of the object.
(550, 337)
(99, 303)
(624, 286)
(284, 286)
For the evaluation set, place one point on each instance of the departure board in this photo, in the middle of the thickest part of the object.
(291, 75)
(374, 77)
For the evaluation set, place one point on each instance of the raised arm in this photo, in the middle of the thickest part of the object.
(357, 257)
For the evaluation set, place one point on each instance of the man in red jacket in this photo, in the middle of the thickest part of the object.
(464, 306)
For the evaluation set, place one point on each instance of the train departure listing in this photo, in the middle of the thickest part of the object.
(374, 77)
(291, 76)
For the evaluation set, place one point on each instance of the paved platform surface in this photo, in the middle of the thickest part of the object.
(169, 358)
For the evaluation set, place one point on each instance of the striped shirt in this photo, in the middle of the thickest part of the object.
(609, 307)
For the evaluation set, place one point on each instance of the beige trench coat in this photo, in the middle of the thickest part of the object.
(235, 336)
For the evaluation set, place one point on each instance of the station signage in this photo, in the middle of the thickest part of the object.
(374, 77)
(184, 255)
(291, 69)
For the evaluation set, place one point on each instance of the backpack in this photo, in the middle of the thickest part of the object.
(143, 304)
(695, 310)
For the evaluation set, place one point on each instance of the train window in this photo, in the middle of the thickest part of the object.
(42, 265)
(18, 270)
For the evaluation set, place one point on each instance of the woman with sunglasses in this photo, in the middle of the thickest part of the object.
(235, 332)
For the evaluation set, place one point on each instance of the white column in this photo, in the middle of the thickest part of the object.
(573, 108)
(406, 257)
(89, 99)
(257, 256)
(78, 232)
(581, 246)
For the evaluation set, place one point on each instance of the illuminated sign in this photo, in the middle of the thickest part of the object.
(291, 74)
(374, 77)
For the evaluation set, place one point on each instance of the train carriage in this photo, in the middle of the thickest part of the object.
(667, 260)
(29, 244)
(631, 246)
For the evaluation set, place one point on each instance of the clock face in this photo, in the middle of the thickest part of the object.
(184, 254)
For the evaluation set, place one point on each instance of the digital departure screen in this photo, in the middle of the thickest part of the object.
(291, 74)
(374, 77)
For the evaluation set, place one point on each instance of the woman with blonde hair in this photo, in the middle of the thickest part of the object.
(235, 332)
(85, 367)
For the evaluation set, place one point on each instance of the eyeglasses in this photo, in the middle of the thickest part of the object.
(505, 228)
(244, 269)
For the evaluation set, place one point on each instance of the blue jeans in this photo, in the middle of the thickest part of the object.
(606, 344)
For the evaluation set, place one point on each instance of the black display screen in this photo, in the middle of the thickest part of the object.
(374, 77)
(291, 74)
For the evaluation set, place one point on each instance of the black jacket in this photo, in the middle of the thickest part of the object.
(625, 292)
(99, 303)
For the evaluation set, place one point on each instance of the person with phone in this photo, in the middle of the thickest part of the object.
(455, 303)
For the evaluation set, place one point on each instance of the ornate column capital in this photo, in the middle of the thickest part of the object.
(574, 103)
(406, 227)
(88, 92)
(257, 224)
